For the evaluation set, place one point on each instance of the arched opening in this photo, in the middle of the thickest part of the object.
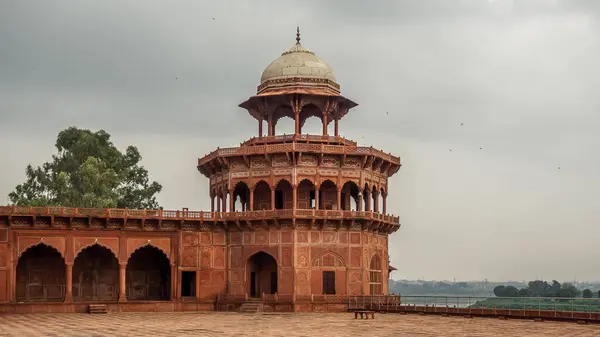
(328, 195)
(367, 198)
(284, 126)
(261, 275)
(213, 198)
(41, 275)
(331, 269)
(284, 195)
(306, 195)
(262, 196)
(96, 275)
(375, 200)
(241, 197)
(382, 201)
(148, 275)
(376, 276)
(350, 198)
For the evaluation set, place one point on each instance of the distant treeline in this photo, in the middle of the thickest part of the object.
(540, 288)
(441, 288)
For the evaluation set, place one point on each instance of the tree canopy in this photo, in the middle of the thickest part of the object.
(89, 172)
(539, 289)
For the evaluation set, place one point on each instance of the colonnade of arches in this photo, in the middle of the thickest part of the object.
(95, 275)
(305, 195)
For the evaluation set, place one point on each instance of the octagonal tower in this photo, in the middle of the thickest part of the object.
(311, 209)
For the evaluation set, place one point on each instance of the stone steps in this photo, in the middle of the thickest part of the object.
(252, 306)
(97, 309)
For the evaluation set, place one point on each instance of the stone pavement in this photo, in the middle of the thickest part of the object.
(277, 324)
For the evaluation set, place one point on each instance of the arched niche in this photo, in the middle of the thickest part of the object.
(376, 275)
(284, 195)
(148, 275)
(261, 274)
(262, 196)
(328, 195)
(41, 275)
(241, 197)
(306, 195)
(350, 196)
(96, 274)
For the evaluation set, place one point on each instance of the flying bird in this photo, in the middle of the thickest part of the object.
(481, 147)
(461, 123)
(559, 167)
(387, 113)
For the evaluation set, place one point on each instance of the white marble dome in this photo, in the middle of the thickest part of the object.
(298, 62)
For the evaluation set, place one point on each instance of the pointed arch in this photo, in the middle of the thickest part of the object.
(41, 274)
(350, 196)
(95, 274)
(376, 275)
(306, 194)
(261, 274)
(148, 274)
(328, 195)
(41, 241)
(262, 196)
(95, 243)
(317, 263)
(241, 193)
(284, 194)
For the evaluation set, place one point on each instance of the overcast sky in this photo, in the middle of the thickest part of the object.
(522, 75)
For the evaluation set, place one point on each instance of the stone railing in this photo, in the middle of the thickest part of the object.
(195, 215)
(300, 138)
(298, 147)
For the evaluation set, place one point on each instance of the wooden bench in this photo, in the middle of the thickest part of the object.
(364, 313)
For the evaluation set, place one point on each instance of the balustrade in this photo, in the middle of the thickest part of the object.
(183, 214)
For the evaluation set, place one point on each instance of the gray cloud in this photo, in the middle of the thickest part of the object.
(520, 75)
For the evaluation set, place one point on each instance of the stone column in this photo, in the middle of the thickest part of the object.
(317, 197)
(359, 202)
(376, 201)
(252, 200)
(325, 124)
(224, 202)
(339, 198)
(260, 125)
(175, 288)
(294, 198)
(270, 125)
(69, 282)
(273, 197)
(336, 128)
(384, 204)
(212, 203)
(122, 282)
(231, 202)
(197, 284)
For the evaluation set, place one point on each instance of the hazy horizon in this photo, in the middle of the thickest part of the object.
(483, 200)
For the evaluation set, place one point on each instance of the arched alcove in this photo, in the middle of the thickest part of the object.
(96, 275)
(261, 274)
(284, 195)
(148, 275)
(328, 196)
(41, 275)
(241, 197)
(262, 196)
(350, 198)
(306, 195)
(375, 276)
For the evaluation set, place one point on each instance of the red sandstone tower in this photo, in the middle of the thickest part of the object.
(323, 193)
(298, 220)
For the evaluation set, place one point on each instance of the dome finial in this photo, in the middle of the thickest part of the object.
(298, 35)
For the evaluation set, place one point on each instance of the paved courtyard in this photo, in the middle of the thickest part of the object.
(281, 324)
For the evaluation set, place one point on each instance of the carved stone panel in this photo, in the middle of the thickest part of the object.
(164, 244)
(4, 254)
(355, 257)
(287, 256)
(261, 238)
(274, 237)
(219, 257)
(205, 238)
(190, 239)
(235, 238)
(189, 256)
(355, 238)
(314, 237)
(205, 258)
(286, 237)
(343, 236)
(218, 238)
(236, 257)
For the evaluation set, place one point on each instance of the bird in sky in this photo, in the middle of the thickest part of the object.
(461, 123)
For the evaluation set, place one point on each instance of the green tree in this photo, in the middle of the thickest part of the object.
(511, 291)
(568, 290)
(88, 171)
(587, 293)
(500, 291)
(524, 292)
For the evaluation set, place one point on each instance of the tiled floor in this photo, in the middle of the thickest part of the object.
(282, 324)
